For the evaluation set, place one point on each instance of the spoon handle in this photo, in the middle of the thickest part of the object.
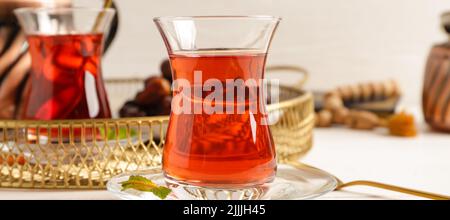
(389, 187)
(384, 186)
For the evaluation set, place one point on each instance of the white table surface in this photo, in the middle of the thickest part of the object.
(421, 163)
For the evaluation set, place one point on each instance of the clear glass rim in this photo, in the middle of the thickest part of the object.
(62, 10)
(219, 17)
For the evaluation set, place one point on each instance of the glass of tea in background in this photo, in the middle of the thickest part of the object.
(218, 149)
(66, 47)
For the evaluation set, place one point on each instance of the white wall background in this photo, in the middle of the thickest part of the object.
(338, 41)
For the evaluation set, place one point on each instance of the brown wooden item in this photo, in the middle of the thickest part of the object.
(436, 87)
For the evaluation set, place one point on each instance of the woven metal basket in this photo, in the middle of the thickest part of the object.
(86, 153)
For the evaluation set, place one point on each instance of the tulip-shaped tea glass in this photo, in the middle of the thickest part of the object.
(218, 135)
(66, 46)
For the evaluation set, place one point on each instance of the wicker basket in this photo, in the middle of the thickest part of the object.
(65, 154)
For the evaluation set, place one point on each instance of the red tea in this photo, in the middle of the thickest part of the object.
(219, 148)
(66, 80)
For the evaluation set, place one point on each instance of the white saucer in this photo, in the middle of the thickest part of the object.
(291, 183)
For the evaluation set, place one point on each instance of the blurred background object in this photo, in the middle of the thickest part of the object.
(7, 7)
(436, 87)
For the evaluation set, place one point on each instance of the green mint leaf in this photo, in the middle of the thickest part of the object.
(162, 192)
(143, 184)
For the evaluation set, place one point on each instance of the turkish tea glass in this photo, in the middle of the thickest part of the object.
(66, 46)
(218, 135)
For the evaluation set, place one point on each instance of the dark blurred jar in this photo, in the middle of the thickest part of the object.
(15, 61)
(436, 89)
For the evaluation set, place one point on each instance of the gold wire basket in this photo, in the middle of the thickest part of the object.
(84, 154)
